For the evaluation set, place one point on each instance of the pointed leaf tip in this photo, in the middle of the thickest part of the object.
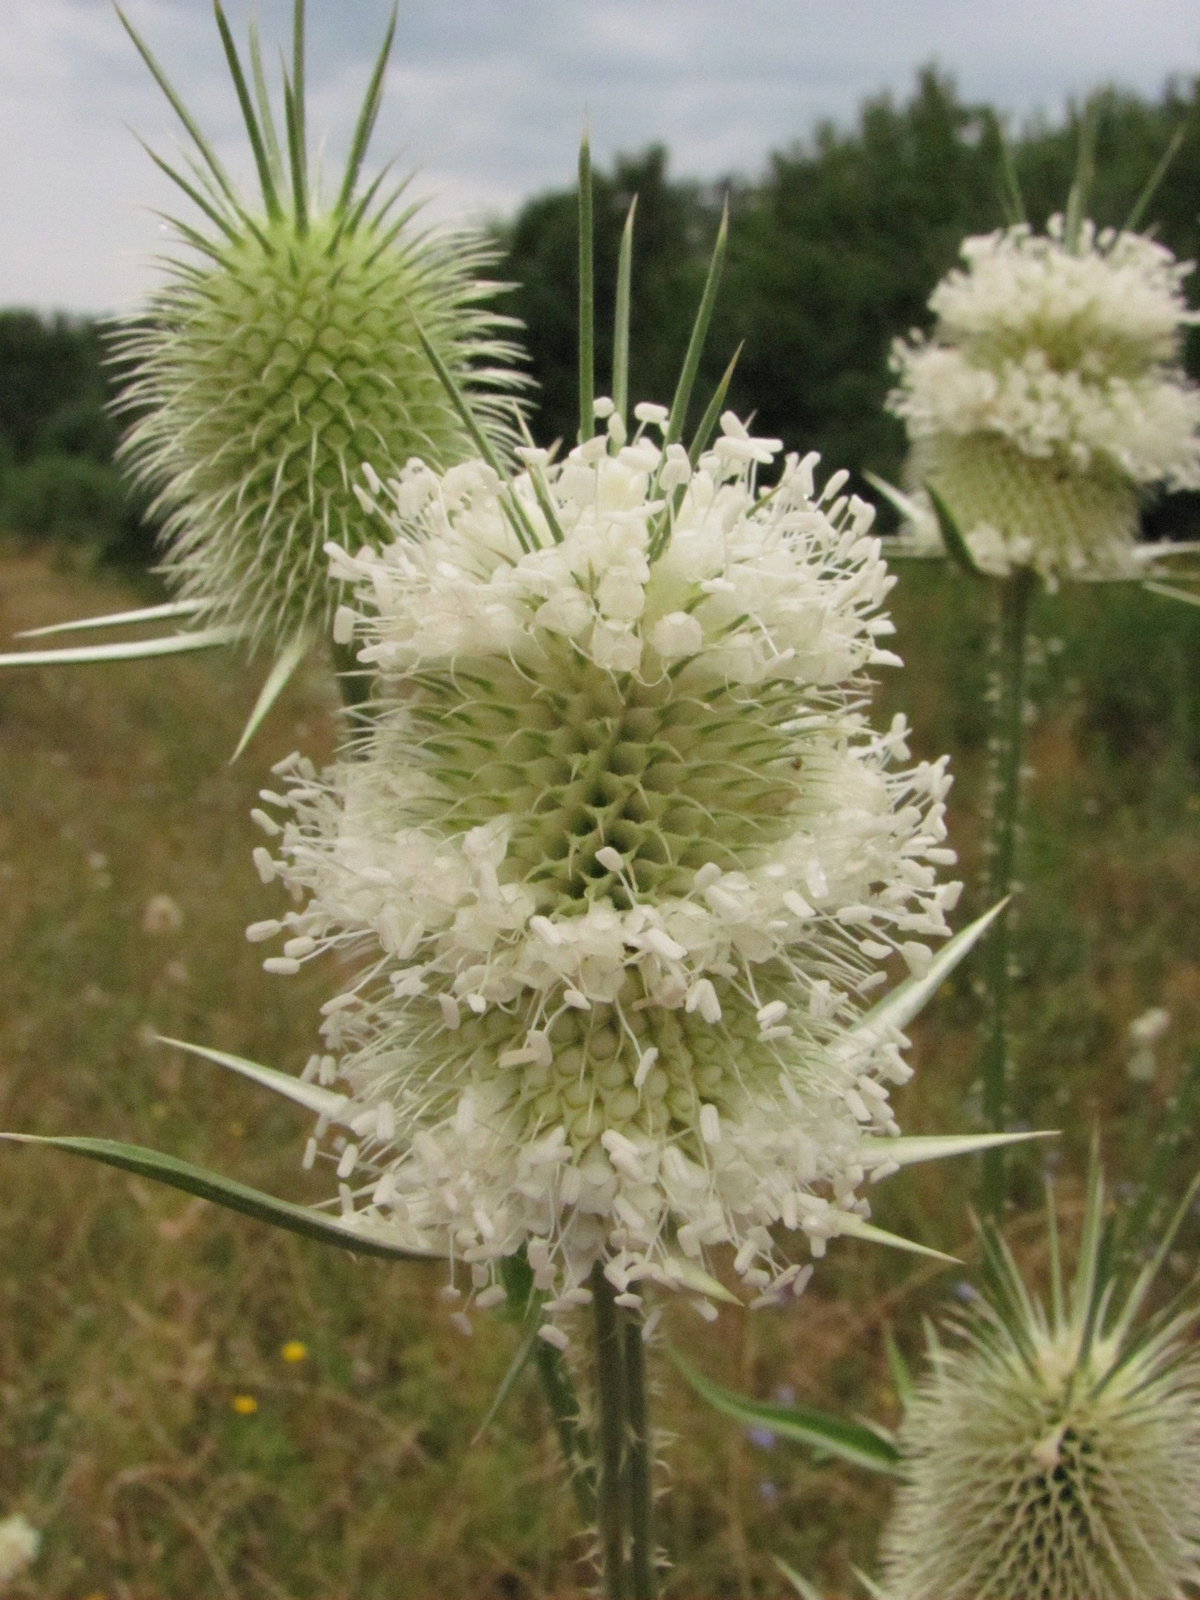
(853, 1226)
(850, 1441)
(277, 680)
(226, 1192)
(312, 1096)
(898, 1008)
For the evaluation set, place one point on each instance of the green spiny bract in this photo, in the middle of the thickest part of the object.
(270, 369)
(1053, 1457)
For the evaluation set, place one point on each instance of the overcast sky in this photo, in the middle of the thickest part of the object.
(486, 98)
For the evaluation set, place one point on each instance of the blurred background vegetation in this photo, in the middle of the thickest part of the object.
(151, 1421)
(833, 252)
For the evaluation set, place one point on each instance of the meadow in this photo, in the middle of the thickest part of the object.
(192, 1405)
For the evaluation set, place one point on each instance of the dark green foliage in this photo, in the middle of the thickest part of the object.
(833, 253)
(57, 438)
(76, 499)
(53, 388)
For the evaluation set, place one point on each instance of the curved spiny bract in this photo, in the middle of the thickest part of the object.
(1052, 1457)
(287, 353)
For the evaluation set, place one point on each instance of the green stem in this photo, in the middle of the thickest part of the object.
(1015, 596)
(612, 1410)
(572, 1437)
(354, 685)
(641, 1501)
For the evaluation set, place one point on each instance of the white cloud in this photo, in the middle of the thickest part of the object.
(487, 97)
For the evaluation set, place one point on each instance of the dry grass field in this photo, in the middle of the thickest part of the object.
(151, 1423)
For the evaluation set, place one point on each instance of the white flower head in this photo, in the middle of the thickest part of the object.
(1049, 396)
(621, 856)
(20, 1542)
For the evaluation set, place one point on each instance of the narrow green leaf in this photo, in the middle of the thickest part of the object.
(180, 110)
(515, 1368)
(299, 103)
(296, 159)
(225, 1192)
(1010, 187)
(1170, 592)
(459, 401)
(129, 650)
(852, 1226)
(265, 113)
(587, 297)
(898, 1008)
(366, 119)
(907, 1151)
(280, 675)
(526, 534)
(620, 367)
(874, 1592)
(956, 545)
(313, 1097)
(803, 1588)
(701, 1282)
(257, 145)
(898, 1368)
(1085, 172)
(190, 189)
(850, 1441)
(1142, 203)
(715, 406)
(119, 619)
(695, 349)
(919, 545)
(541, 488)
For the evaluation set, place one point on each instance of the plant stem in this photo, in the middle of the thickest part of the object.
(1015, 597)
(612, 1410)
(641, 1503)
(572, 1437)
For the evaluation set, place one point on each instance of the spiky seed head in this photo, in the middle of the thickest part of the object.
(1052, 1457)
(266, 373)
(1049, 397)
(622, 857)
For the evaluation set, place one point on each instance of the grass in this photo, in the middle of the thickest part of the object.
(134, 1319)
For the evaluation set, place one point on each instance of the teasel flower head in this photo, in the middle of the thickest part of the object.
(1048, 400)
(1054, 1455)
(620, 858)
(282, 353)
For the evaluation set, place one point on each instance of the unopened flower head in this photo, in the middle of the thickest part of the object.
(622, 855)
(281, 354)
(1049, 397)
(1052, 1457)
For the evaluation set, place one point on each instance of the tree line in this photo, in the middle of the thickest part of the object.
(833, 252)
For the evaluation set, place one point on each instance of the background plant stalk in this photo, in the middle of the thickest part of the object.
(1015, 597)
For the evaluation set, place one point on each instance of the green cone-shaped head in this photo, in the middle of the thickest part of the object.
(268, 373)
(1053, 1457)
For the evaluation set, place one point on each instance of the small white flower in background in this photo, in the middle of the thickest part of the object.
(1144, 1033)
(621, 858)
(162, 915)
(19, 1545)
(1049, 397)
